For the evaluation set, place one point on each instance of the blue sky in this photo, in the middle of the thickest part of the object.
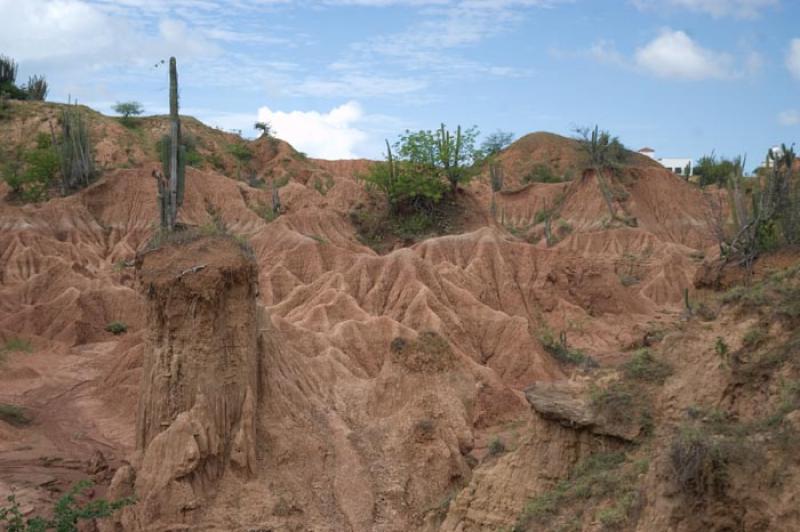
(336, 77)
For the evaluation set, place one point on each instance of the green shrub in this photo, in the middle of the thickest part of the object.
(698, 462)
(29, 174)
(616, 402)
(561, 352)
(644, 367)
(603, 150)
(216, 161)
(721, 348)
(599, 477)
(497, 447)
(240, 151)
(116, 327)
(68, 512)
(542, 173)
(713, 170)
(754, 337)
(13, 415)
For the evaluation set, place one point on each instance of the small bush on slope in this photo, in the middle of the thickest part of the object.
(68, 512)
(13, 415)
(607, 479)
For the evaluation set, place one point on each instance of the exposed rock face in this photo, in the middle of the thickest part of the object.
(568, 403)
(197, 407)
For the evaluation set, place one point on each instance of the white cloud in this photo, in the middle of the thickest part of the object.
(790, 117)
(715, 8)
(76, 34)
(674, 55)
(331, 135)
(793, 58)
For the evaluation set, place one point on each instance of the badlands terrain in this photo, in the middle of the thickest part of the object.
(288, 374)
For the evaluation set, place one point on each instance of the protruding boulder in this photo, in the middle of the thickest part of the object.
(569, 403)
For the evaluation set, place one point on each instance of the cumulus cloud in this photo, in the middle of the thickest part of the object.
(331, 135)
(78, 34)
(674, 55)
(790, 117)
(793, 58)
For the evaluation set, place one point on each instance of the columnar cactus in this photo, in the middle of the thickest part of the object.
(171, 189)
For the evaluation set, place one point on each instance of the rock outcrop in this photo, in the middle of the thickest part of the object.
(569, 403)
(199, 391)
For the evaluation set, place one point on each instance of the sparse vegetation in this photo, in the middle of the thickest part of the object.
(14, 345)
(72, 508)
(754, 337)
(766, 220)
(606, 481)
(714, 171)
(542, 173)
(562, 352)
(699, 461)
(30, 173)
(13, 415)
(496, 446)
(116, 328)
(35, 89)
(722, 349)
(643, 366)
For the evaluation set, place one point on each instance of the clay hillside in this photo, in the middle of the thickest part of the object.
(538, 359)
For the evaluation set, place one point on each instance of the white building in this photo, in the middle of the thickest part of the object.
(682, 166)
(679, 165)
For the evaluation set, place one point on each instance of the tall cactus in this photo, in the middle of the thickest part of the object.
(173, 158)
(496, 177)
(450, 154)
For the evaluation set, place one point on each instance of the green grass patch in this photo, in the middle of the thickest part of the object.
(16, 345)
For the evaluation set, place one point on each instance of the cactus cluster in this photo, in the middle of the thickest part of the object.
(76, 158)
(450, 154)
(173, 158)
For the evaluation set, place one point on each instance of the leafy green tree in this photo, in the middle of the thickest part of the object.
(407, 184)
(128, 110)
(448, 154)
(495, 143)
(264, 127)
(424, 165)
